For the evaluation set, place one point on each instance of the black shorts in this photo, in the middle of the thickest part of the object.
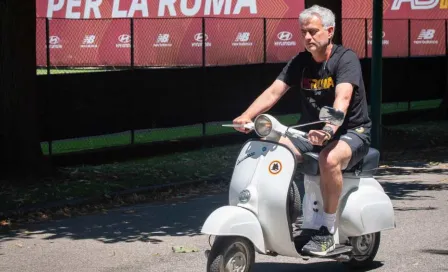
(358, 139)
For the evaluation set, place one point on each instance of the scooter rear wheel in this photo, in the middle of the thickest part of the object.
(365, 248)
(231, 254)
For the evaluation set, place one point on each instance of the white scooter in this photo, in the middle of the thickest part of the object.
(264, 203)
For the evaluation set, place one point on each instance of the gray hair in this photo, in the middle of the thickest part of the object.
(326, 16)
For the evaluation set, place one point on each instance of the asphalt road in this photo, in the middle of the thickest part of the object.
(140, 238)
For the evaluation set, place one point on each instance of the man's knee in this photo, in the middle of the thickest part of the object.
(334, 157)
(328, 160)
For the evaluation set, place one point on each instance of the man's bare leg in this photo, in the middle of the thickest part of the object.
(332, 160)
(286, 141)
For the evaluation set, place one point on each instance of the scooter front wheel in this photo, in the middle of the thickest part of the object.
(231, 254)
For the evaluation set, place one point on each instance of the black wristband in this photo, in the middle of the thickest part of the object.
(329, 130)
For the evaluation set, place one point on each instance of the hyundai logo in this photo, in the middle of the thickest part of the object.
(54, 40)
(284, 36)
(125, 38)
(198, 37)
(371, 34)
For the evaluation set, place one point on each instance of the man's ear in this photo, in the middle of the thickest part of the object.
(331, 32)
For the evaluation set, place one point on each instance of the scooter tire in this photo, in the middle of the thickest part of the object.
(365, 263)
(294, 202)
(223, 245)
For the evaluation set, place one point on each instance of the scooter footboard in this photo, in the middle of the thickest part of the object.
(367, 210)
(235, 221)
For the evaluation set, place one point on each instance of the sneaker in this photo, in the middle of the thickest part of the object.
(321, 243)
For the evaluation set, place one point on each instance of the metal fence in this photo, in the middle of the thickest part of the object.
(401, 37)
(67, 46)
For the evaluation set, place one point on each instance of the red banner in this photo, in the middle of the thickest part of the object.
(167, 32)
(95, 9)
(428, 37)
(41, 48)
(397, 9)
(393, 45)
(354, 36)
(241, 44)
(283, 39)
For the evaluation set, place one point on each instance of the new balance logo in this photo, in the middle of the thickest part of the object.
(163, 40)
(242, 39)
(89, 39)
(426, 36)
(89, 42)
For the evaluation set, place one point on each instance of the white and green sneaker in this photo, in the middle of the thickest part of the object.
(320, 244)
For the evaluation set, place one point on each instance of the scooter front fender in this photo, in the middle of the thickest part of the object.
(235, 221)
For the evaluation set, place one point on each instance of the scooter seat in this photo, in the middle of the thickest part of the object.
(366, 167)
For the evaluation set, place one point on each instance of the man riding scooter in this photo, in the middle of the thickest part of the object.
(326, 74)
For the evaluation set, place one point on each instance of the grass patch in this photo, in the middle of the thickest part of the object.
(175, 133)
(75, 70)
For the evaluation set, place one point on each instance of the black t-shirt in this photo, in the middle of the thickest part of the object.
(317, 85)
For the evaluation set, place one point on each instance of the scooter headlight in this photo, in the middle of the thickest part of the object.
(244, 196)
(263, 125)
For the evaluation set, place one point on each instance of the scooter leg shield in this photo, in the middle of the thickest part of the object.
(366, 210)
(235, 221)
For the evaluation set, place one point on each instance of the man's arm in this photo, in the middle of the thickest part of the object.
(344, 93)
(348, 77)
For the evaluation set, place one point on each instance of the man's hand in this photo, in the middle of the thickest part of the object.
(318, 137)
(242, 120)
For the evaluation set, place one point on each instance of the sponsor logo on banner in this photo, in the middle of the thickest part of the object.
(385, 42)
(285, 39)
(163, 40)
(420, 4)
(242, 39)
(124, 41)
(198, 37)
(426, 36)
(89, 42)
(55, 42)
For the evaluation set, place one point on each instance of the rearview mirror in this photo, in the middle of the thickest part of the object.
(331, 115)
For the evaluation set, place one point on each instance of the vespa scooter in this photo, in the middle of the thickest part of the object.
(264, 203)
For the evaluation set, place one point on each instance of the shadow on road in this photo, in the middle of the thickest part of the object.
(321, 266)
(150, 223)
(435, 251)
(405, 190)
(147, 223)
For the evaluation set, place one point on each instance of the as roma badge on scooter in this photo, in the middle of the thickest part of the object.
(275, 167)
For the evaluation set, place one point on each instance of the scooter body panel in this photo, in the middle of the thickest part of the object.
(235, 221)
(364, 207)
(266, 169)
